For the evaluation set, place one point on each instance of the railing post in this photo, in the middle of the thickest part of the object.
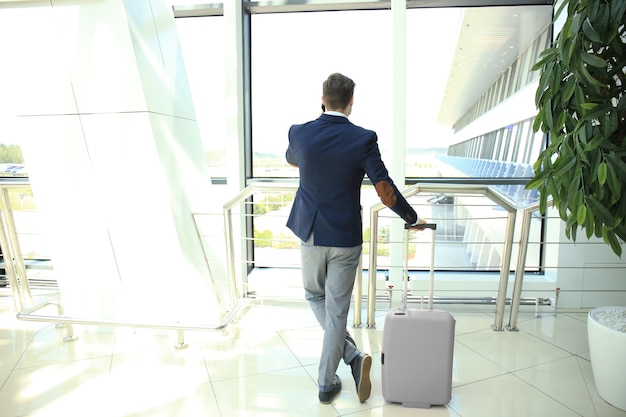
(13, 260)
(521, 264)
(504, 271)
(371, 280)
(519, 271)
(358, 293)
(358, 288)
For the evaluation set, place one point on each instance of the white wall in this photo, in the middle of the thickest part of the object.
(587, 271)
(108, 132)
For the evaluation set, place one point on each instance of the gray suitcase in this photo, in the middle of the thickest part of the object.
(418, 348)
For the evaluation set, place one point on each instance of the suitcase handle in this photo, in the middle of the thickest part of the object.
(405, 278)
(422, 226)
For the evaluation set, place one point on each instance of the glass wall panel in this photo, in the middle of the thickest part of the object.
(11, 159)
(202, 44)
(293, 53)
(462, 65)
(432, 37)
(474, 60)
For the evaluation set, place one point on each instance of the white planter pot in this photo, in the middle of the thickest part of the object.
(607, 348)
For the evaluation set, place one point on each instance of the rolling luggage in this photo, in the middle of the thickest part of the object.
(418, 347)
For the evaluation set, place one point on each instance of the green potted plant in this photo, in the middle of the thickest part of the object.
(582, 107)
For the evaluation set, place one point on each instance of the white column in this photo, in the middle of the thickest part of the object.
(233, 15)
(235, 134)
(398, 129)
(109, 137)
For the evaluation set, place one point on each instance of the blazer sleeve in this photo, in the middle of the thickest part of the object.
(385, 188)
(289, 154)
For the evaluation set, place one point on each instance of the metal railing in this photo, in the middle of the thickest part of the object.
(12, 254)
(68, 322)
(451, 189)
(29, 312)
(492, 194)
(23, 299)
(238, 199)
(521, 263)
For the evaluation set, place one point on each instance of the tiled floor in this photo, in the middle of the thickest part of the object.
(265, 365)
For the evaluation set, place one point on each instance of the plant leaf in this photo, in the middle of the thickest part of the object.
(547, 115)
(559, 170)
(588, 106)
(610, 238)
(547, 55)
(593, 60)
(602, 173)
(594, 143)
(537, 121)
(582, 68)
(618, 8)
(536, 182)
(618, 164)
(589, 224)
(574, 193)
(600, 212)
(614, 184)
(568, 91)
(581, 216)
(590, 32)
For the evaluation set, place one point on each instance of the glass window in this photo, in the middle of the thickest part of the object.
(288, 72)
(457, 82)
(11, 159)
(453, 86)
(202, 44)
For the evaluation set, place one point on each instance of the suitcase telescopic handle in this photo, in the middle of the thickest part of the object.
(407, 227)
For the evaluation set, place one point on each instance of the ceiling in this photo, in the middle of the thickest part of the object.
(489, 40)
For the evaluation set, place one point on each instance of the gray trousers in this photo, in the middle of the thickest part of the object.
(328, 275)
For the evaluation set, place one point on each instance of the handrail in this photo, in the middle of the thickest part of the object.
(18, 280)
(228, 221)
(430, 187)
(484, 190)
(27, 315)
(494, 195)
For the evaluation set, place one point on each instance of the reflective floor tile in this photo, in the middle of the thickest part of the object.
(470, 366)
(48, 347)
(285, 393)
(563, 380)
(505, 395)
(246, 356)
(68, 389)
(160, 366)
(512, 350)
(562, 330)
(12, 349)
(164, 400)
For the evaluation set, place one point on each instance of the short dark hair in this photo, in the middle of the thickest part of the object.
(337, 91)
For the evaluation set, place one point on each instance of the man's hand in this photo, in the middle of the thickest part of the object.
(416, 226)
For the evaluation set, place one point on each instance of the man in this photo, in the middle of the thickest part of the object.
(333, 155)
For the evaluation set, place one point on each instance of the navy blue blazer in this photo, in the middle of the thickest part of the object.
(333, 156)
